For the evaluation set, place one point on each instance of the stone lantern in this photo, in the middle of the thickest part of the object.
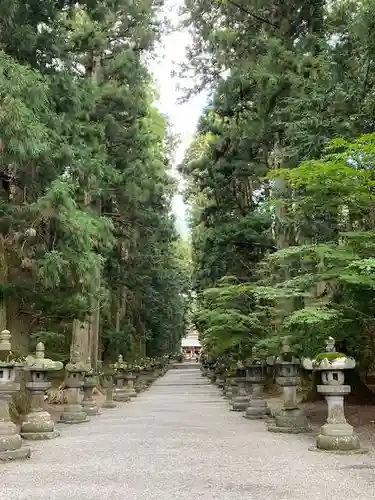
(141, 382)
(10, 440)
(336, 435)
(138, 387)
(290, 419)
(73, 412)
(121, 392)
(38, 423)
(220, 375)
(240, 401)
(130, 379)
(88, 403)
(152, 374)
(108, 386)
(256, 376)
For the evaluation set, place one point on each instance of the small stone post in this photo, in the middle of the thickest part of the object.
(290, 419)
(219, 372)
(152, 374)
(336, 435)
(38, 423)
(241, 399)
(141, 382)
(130, 378)
(138, 386)
(10, 440)
(73, 411)
(88, 403)
(109, 403)
(120, 393)
(231, 389)
(256, 376)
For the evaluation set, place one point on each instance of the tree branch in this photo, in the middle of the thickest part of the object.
(255, 16)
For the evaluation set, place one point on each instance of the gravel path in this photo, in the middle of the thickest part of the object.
(179, 441)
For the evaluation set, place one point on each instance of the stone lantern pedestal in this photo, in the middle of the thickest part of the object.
(73, 412)
(151, 373)
(212, 374)
(120, 392)
(256, 376)
(240, 401)
(228, 392)
(130, 378)
(38, 423)
(138, 384)
(10, 440)
(336, 435)
(220, 378)
(234, 389)
(88, 403)
(109, 403)
(290, 419)
(141, 382)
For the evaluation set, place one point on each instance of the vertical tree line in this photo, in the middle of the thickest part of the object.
(88, 249)
(280, 175)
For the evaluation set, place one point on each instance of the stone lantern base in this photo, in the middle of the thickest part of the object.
(21, 454)
(240, 400)
(257, 410)
(338, 438)
(289, 421)
(90, 408)
(228, 392)
(10, 444)
(121, 395)
(220, 381)
(38, 425)
(132, 393)
(73, 414)
(109, 404)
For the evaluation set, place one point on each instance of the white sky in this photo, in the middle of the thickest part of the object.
(183, 117)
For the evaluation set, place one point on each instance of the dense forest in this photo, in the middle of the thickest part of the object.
(281, 177)
(88, 247)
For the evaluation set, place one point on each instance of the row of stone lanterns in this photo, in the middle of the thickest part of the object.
(244, 390)
(38, 423)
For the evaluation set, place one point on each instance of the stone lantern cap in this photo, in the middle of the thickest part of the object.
(120, 364)
(40, 363)
(330, 359)
(257, 358)
(76, 365)
(7, 357)
(286, 355)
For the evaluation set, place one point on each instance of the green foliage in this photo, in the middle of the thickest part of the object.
(280, 175)
(85, 205)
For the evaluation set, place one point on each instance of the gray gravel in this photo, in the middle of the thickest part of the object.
(179, 441)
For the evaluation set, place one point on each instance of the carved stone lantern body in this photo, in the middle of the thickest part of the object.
(10, 440)
(38, 423)
(130, 379)
(109, 385)
(73, 411)
(219, 372)
(336, 435)
(120, 392)
(256, 377)
(290, 419)
(142, 379)
(240, 400)
(88, 403)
